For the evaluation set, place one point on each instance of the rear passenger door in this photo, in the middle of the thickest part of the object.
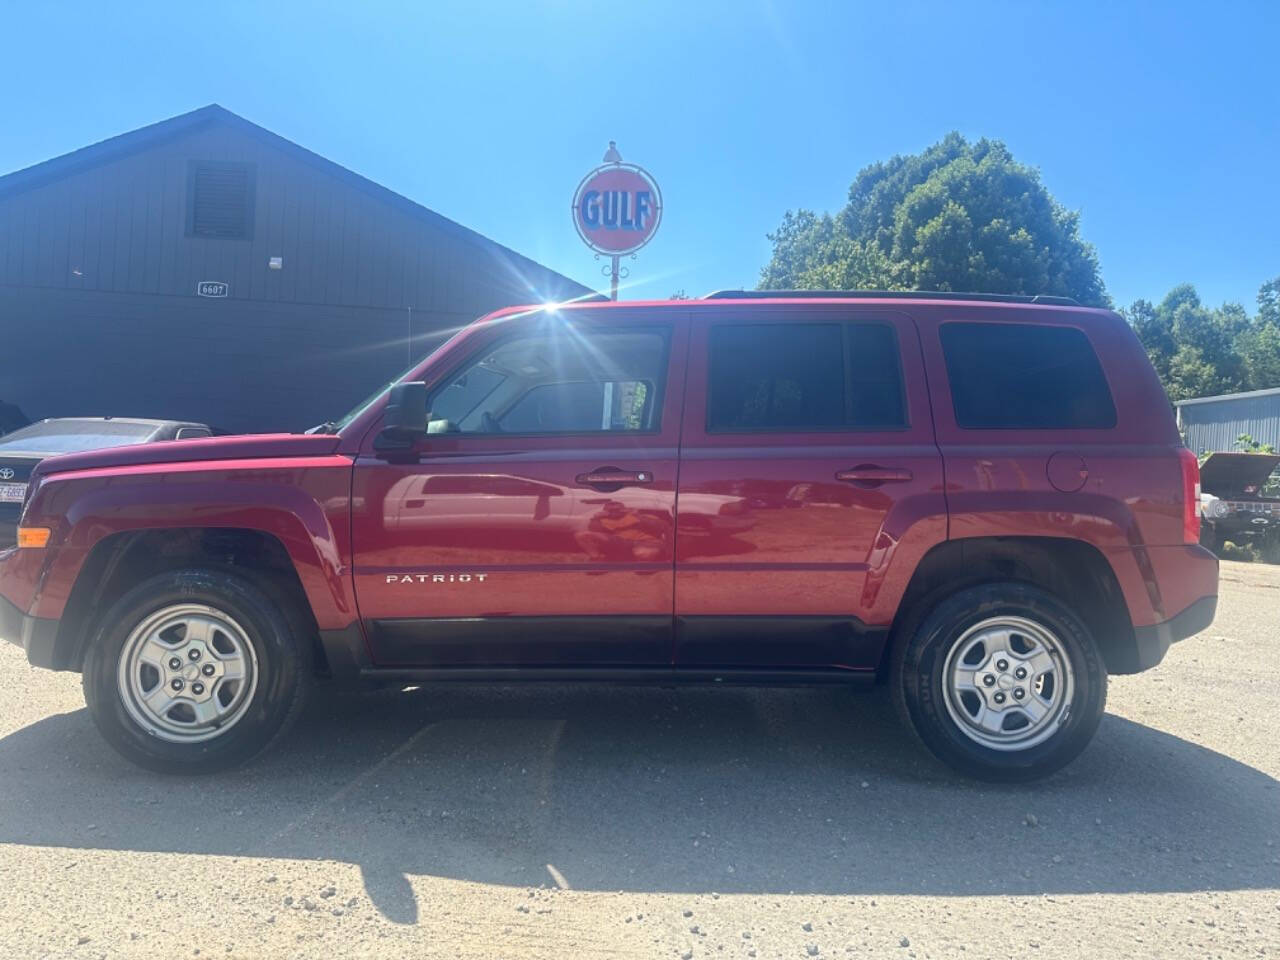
(808, 468)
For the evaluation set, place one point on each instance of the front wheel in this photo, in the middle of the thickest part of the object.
(1001, 681)
(194, 671)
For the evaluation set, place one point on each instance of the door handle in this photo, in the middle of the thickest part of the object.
(869, 475)
(613, 477)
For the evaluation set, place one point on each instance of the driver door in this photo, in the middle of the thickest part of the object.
(534, 525)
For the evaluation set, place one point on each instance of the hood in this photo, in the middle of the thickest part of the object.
(1224, 474)
(206, 448)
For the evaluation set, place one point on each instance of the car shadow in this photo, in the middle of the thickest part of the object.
(734, 790)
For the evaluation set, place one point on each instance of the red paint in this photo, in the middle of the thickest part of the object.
(514, 509)
(766, 528)
(302, 501)
(1067, 471)
(721, 525)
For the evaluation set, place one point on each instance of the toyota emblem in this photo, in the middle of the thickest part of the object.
(6, 473)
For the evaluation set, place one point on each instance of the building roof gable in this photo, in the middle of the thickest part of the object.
(144, 138)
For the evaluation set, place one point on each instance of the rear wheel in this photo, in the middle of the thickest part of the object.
(194, 671)
(1001, 681)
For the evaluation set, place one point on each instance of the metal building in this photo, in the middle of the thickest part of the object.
(1213, 424)
(204, 268)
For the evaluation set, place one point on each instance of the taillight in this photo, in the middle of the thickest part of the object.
(1190, 496)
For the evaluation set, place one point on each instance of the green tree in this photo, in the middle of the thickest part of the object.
(1192, 375)
(1199, 351)
(813, 252)
(1149, 323)
(1269, 302)
(1191, 346)
(1260, 344)
(1260, 356)
(960, 216)
(1246, 444)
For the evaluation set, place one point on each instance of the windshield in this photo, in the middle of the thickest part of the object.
(72, 436)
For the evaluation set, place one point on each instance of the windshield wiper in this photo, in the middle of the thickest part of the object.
(327, 427)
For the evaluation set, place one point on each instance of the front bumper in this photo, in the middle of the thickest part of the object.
(9, 513)
(35, 635)
(1244, 525)
(1152, 642)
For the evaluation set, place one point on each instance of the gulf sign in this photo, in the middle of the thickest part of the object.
(617, 208)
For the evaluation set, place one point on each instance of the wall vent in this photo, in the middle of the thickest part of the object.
(220, 200)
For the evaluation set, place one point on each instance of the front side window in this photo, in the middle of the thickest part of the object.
(1025, 376)
(561, 380)
(772, 377)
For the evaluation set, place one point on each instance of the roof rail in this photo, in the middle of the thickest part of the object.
(888, 295)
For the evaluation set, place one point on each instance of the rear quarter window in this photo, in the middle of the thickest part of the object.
(1007, 376)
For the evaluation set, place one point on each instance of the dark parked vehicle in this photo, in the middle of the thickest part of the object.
(25, 447)
(1233, 501)
(982, 502)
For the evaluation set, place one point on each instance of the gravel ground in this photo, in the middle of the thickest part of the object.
(618, 822)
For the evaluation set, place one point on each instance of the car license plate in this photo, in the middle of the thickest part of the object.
(13, 492)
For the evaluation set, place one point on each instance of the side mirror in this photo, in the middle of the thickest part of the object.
(404, 418)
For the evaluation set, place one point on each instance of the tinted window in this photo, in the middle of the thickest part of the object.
(561, 380)
(875, 376)
(1016, 375)
(804, 376)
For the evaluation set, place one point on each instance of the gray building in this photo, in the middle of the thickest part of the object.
(1213, 424)
(204, 268)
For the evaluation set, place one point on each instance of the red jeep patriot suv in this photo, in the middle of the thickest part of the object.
(981, 501)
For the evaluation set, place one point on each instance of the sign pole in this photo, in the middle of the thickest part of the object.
(613, 279)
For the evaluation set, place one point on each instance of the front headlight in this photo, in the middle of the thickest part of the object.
(1219, 509)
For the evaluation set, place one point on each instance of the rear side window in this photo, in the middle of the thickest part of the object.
(804, 376)
(1025, 376)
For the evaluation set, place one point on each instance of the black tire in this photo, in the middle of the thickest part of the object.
(917, 682)
(282, 671)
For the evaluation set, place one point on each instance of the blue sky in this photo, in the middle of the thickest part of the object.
(1159, 122)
